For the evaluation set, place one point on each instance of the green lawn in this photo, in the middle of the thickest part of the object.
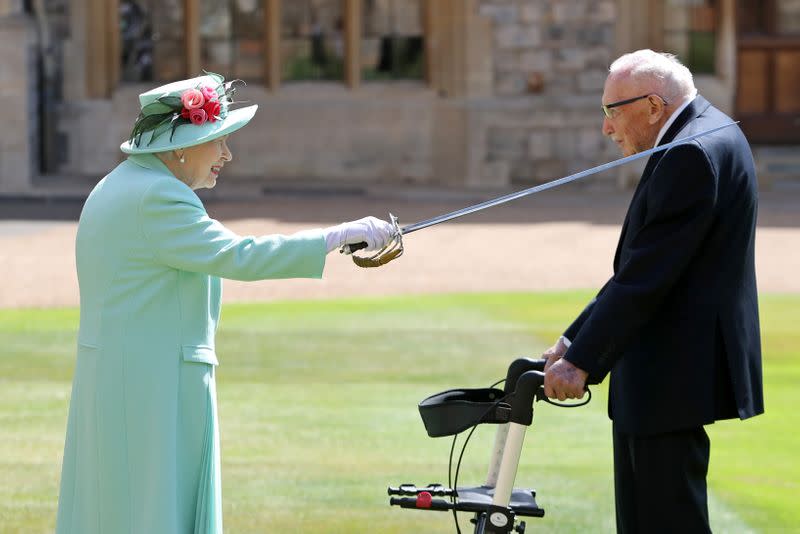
(318, 415)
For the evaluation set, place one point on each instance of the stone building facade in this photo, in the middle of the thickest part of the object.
(19, 154)
(480, 94)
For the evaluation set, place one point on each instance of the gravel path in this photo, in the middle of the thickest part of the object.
(556, 240)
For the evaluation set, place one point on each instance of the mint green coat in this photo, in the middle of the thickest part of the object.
(142, 447)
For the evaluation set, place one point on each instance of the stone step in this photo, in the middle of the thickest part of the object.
(778, 166)
(783, 167)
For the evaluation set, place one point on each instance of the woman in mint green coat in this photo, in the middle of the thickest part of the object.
(142, 446)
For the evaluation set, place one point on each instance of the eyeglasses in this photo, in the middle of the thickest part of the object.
(608, 107)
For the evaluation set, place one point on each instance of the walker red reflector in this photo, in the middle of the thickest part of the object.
(424, 499)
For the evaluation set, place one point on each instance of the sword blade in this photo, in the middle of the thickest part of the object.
(555, 183)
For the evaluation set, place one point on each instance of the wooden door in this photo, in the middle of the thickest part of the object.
(768, 88)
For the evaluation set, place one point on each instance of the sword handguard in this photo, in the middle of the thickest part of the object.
(380, 259)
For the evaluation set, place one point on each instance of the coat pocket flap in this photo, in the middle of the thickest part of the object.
(200, 354)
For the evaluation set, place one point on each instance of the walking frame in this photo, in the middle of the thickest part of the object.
(496, 504)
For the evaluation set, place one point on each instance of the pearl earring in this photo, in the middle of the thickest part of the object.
(183, 160)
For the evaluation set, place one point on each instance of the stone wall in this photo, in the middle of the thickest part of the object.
(550, 46)
(378, 134)
(18, 103)
(550, 60)
(314, 132)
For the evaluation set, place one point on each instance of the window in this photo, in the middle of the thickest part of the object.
(392, 47)
(777, 17)
(312, 40)
(151, 40)
(752, 17)
(231, 37)
(272, 40)
(691, 33)
(788, 17)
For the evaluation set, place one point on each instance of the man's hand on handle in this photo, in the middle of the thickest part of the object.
(562, 380)
(565, 381)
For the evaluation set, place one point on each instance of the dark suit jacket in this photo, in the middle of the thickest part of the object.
(677, 324)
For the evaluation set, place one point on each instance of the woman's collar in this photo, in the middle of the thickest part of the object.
(150, 161)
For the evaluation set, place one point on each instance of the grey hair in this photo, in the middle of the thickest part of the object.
(673, 80)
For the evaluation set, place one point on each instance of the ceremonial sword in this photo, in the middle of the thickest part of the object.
(400, 231)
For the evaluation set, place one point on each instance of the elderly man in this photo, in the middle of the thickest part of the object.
(677, 324)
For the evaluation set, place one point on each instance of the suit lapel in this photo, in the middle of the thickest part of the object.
(692, 111)
(695, 108)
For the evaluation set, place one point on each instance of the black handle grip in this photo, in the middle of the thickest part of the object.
(538, 364)
(527, 386)
(356, 246)
(520, 366)
(437, 490)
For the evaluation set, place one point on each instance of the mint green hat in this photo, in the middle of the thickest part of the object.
(186, 113)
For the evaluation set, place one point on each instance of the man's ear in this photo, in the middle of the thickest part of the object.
(657, 108)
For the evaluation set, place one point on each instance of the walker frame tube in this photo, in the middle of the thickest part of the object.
(508, 467)
(517, 368)
(497, 455)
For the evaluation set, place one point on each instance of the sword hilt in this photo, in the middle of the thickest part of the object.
(356, 246)
(353, 247)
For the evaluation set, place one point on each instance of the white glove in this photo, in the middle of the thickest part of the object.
(375, 232)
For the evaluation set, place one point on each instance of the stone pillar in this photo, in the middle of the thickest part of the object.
(18, 101)
(462, 58)
(726, 52)
(74, 53)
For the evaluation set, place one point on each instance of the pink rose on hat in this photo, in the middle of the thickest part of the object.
(192, 99)
(209, 93)
(198, 116)
(200, 105)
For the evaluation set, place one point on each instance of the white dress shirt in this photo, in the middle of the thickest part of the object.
(674, 116)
